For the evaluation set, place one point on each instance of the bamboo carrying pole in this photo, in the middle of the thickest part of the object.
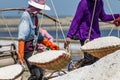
(23, 9)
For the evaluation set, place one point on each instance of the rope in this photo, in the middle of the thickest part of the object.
(8, 29)
(56, 33)
(36, 37)
(110, 9)
(93, 18)
(58, 19)
(58, 24)
(113, 18)
(89, 33)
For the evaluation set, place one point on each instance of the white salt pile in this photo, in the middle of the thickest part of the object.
(107, 68)
(10, 72)
(46, 56)
(102, 42)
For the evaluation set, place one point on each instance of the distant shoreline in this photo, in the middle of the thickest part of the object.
(65, 22)
(15, 21)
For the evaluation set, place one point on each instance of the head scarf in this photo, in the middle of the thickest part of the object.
(32, 9)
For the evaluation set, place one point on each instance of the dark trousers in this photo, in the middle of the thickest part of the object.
(88, 58)
(36, 72)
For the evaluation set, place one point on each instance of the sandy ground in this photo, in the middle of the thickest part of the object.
(25, 75)
(48, 73)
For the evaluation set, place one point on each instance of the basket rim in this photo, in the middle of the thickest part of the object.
(114, 46)
(101, 52)
(54, 60)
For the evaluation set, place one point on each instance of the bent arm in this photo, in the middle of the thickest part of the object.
(107, 17)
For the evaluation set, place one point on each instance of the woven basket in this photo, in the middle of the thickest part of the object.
(102, 51)
(56, 64)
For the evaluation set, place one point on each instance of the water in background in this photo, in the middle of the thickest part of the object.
(104, 32)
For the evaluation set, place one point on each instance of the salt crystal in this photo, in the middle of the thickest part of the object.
(106, 68)
(102, 42)
(46, 56)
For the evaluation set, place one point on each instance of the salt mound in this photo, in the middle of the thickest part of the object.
(46, 56)
(107, 68)
(10, 72)
(102, 42)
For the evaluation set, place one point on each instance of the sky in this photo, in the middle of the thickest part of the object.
(63, 7)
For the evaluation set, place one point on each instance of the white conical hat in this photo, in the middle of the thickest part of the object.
(40, 4)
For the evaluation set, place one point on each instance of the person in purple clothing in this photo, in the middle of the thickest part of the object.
(81, 24)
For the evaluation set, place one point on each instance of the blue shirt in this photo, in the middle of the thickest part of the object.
(26, 29)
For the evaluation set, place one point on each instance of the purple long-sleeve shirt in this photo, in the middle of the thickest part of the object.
(81, 22)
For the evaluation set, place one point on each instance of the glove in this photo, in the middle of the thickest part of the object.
(117, 22)
(21, 51)
(67, 42)
(49, 44)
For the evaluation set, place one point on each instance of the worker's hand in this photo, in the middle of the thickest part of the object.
(67, 42)
(117, 22)
(21, 60)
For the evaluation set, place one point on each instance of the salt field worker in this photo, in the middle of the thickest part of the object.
(27, 32)
(85, 24)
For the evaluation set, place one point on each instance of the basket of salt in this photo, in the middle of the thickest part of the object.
(11, 72)
(102, 46)
(51, 60)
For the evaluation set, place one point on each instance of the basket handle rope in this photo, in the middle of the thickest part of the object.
(59, 24)
(89, 33)
(68, 48)
(88, 39)
(113, 18)
(8, 29)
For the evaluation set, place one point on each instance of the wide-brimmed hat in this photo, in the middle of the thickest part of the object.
(40, 4)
